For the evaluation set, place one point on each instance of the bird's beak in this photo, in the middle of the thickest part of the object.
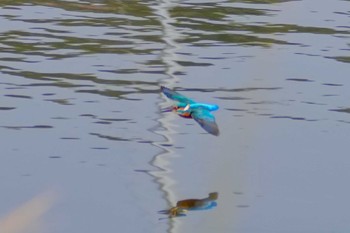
(168, 109)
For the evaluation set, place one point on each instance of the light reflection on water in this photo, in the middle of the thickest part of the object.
(81, 110)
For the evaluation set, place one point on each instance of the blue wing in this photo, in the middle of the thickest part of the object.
(176, 96)
(206, 120)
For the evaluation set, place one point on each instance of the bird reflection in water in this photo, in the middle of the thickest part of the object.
(183, 206)
(188, 108)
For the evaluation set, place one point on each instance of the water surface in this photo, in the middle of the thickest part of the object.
(81, 113)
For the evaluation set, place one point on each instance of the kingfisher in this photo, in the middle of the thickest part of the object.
(188, 108)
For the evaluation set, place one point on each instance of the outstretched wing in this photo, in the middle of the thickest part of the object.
(176, 96)
(206, 120)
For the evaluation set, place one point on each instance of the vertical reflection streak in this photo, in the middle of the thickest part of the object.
(168, 57)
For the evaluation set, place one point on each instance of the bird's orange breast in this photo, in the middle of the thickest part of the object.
(182, 112)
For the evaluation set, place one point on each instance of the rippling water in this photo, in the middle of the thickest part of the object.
(80, 113)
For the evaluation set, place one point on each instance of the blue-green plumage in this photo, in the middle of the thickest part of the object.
(200, 112)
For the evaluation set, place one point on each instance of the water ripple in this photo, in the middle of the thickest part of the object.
(29, 127)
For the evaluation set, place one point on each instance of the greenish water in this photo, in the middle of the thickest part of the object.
(81, 114)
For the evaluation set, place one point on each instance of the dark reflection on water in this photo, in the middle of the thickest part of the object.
(60, 101)
(19, 96)
(300, 79)
(201, 20)
(292, 118)
(69, 138)
(6, 108)
(110, 137)
(345, 110)
(247, 89)
(29, 127)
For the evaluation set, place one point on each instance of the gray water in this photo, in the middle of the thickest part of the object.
(81, 114)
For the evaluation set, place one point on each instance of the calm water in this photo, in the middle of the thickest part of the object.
(81, 114)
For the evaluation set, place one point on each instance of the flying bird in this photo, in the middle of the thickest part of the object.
(188, 108)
